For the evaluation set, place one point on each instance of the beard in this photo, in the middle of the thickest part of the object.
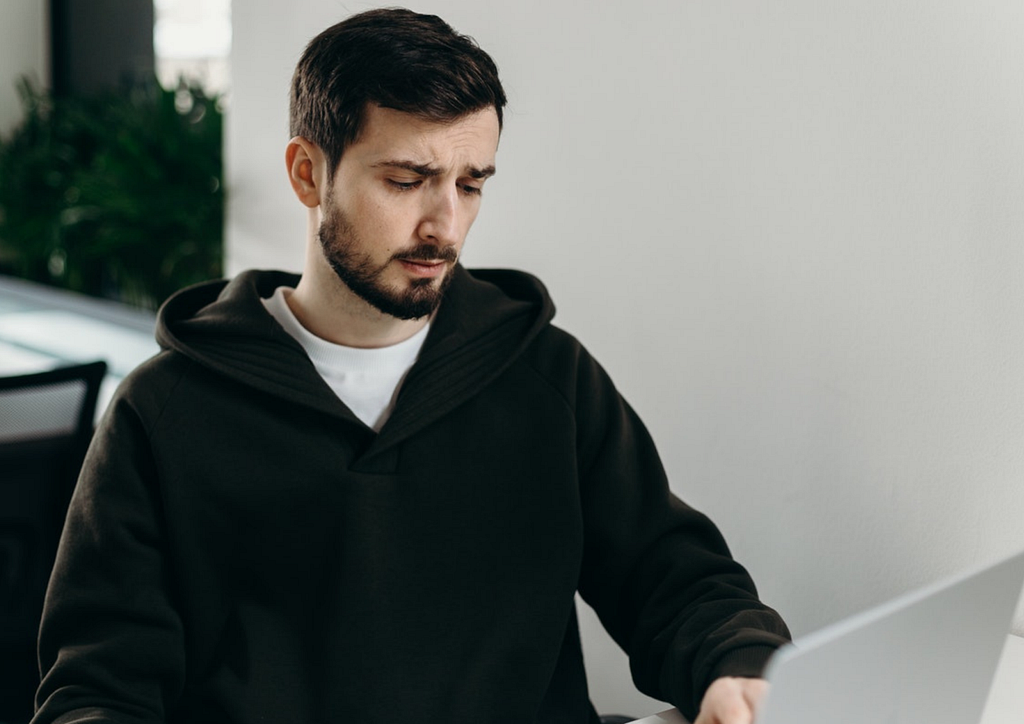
(340, 243)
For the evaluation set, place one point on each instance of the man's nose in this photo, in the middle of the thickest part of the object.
(440, 222)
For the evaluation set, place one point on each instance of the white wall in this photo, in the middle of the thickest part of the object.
(23, 51)
(792, 231)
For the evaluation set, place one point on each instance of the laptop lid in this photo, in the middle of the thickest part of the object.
(927, 657)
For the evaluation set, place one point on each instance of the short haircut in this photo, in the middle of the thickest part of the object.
(397, 59)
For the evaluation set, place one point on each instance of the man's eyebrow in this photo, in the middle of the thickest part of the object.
(417, 168)
(429, 171)
(485, 172)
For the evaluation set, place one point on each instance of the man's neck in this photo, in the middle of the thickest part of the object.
(331, 311)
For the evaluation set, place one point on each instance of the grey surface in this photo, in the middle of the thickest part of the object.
(927, 657)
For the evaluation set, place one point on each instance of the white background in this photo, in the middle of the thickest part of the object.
(791, 230)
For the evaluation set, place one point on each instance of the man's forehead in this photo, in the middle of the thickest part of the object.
(389, 135)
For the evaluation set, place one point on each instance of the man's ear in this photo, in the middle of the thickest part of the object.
(305, 163)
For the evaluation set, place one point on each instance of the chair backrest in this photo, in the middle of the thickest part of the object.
(46, 422)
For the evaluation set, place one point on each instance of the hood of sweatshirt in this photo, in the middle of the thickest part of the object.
(485, 321)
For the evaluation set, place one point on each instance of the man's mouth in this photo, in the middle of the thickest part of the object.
(428, 261)
(424, 267)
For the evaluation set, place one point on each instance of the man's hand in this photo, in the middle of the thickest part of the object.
(732, 700)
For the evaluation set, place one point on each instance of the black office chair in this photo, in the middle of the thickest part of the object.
(46, 422)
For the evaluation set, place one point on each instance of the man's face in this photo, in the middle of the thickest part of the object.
(403, 198)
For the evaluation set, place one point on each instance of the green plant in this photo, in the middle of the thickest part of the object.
(119, 195)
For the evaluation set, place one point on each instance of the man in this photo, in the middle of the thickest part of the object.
(370, 493)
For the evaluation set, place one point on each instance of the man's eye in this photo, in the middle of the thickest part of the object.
(474, 190)
(404, 185)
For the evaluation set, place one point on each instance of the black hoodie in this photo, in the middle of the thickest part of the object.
(241, 548)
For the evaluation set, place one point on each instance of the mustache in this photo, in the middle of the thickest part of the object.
(428, 252)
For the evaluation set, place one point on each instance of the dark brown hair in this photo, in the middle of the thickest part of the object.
(397, 59)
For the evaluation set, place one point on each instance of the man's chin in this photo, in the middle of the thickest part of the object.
(400, 296)
(409, 310)
(420, 299)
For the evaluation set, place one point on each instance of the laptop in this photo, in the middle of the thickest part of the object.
(927, 657)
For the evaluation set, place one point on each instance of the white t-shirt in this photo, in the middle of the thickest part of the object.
(367, 380)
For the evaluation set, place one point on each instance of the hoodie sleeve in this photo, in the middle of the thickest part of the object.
(657, 572)
(111, 645)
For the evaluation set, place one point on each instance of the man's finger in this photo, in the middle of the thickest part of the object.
(732, 700)
(754, 691)
(726, 702)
